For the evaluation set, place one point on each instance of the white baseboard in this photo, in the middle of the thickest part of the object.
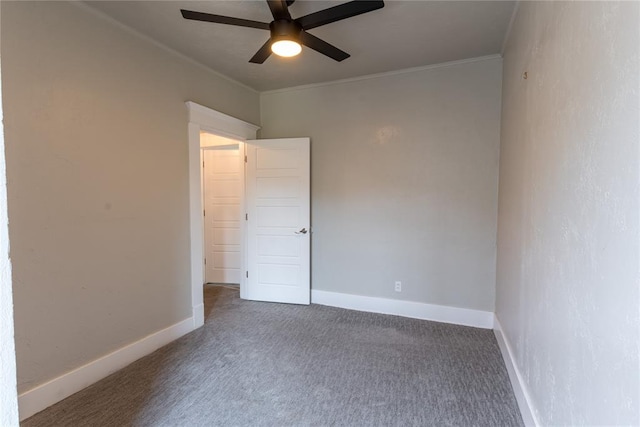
(520, 389)
(198, 316)
(53, 391)
(416, 310)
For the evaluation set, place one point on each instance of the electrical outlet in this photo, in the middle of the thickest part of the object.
(398, 286)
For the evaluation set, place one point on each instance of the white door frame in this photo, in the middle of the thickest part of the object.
(202, 118)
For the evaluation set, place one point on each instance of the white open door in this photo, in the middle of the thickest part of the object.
(278, 220)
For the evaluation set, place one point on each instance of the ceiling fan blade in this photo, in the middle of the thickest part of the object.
(322, 46)
(262, 54)
(337, 13)
(219, 19)
(279, 9)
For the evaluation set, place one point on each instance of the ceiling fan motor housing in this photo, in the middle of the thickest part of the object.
(283, 29)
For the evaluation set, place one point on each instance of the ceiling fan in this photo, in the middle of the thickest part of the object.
(287, 34)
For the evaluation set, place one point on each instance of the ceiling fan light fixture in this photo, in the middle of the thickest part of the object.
(288, 34)
(286, 48)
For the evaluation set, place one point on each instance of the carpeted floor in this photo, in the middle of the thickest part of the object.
(265, 364)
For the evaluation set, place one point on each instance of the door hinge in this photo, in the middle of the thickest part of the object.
(204, 213)
(205, 261)
(245, 159)
(246, 217)
(247, 274)
(203, 163)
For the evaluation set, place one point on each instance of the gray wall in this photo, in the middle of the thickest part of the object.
(8, 395)
(404, 181)
(567, 282)
(97, 168)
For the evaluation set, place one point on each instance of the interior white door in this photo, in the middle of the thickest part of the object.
(278, 220)
(222, 200)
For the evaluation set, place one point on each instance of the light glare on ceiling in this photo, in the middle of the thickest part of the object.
(286, 48)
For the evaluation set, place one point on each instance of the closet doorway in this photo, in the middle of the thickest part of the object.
(223, 204)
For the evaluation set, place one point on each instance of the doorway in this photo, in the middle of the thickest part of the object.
(205, 119)
(256, 216)
(223, 201)
(275, 207)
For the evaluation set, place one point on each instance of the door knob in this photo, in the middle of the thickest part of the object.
(303, 231)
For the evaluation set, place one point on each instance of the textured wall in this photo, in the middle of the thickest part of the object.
(8, 394)
(97, 168)
(404, 172)
(568, 244)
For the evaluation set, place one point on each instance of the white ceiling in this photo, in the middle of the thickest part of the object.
(403, 34)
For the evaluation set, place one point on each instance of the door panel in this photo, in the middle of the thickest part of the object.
(278, 208)
(222, 201)
(280, 187)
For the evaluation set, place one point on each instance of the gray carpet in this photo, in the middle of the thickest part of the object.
(265, 364)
